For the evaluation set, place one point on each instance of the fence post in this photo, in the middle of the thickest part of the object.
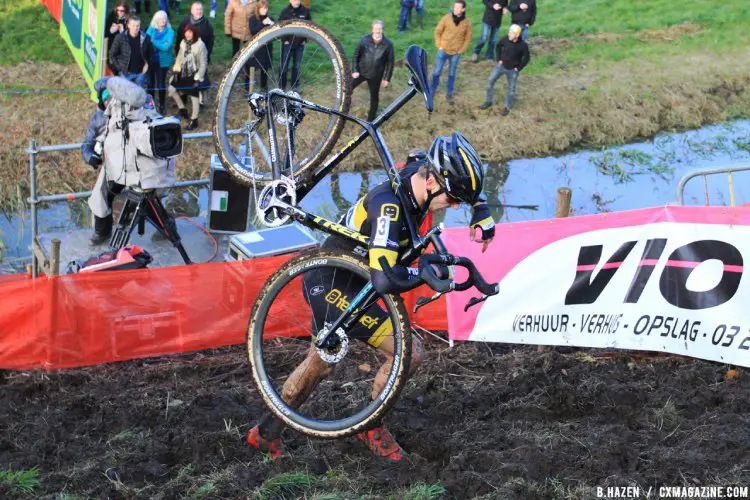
(562, 207)
(32, 151)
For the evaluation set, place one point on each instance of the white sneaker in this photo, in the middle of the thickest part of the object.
(212, 14)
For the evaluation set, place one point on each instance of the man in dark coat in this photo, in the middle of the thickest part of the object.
(293, 48)
(493, 17)
(512, 56)
(202, 26)
(131, 52)
(523, 14)
(373, 63)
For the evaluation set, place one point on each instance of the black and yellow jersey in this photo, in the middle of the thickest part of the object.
(381, 216)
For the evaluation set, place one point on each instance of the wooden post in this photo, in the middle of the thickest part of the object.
(562, 209)
(55, 258)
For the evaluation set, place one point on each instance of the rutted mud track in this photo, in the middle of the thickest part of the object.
(479, 419)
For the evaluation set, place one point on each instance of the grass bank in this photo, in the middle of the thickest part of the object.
(599, 75)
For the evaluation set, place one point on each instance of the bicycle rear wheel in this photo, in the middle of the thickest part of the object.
(295, 56)
(296, 302)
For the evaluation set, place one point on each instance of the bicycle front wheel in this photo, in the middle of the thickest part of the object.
(295, 56)
(347, 387)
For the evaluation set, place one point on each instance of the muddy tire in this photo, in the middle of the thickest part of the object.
(351, 377)
(320, 137)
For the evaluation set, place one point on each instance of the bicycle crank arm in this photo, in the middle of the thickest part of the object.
(474, 301)
(423, 301)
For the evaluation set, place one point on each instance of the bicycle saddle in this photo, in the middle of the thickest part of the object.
(416, 60)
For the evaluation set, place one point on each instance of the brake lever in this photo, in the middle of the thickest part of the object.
(474, 301)
(423, 301)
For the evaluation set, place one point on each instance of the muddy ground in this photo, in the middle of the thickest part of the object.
(479, 420)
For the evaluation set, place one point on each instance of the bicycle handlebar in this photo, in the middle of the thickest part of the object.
(428, 275)
(475, 279)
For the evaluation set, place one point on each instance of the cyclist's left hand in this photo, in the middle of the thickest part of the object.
(482, 227)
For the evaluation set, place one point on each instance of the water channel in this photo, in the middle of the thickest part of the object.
(618, 178)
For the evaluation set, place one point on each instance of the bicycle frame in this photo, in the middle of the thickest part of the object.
(367, 296)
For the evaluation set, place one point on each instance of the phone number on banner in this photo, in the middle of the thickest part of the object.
(674, 327)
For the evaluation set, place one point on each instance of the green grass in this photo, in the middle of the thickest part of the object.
(20, 481)
(30, 33)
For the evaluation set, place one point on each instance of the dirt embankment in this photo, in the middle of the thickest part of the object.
(480, 420)
(564, 108)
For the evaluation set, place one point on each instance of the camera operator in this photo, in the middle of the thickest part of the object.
(135, 146)
(92, 152)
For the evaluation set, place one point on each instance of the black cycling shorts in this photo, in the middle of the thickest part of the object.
(329, 292)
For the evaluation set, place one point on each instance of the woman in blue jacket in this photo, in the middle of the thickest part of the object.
(162, 38)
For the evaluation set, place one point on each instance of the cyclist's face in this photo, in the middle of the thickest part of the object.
(442, 201)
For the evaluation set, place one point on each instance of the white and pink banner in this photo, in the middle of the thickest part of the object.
(662, 279)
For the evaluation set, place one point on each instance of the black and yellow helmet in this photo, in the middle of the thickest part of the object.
(458, 165)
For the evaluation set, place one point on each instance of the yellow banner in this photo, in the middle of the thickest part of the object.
(82, 28)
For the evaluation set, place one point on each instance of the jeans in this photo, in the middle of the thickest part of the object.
(374, 86)
(512, 75)
(491, 33)
(440, 61)
(402, 17)
(164, 5)
(524, 32)
(420, 7)
(296, 57)
(137, 78)
(214, 2)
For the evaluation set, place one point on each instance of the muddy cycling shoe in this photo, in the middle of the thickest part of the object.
(382, 444)
(272, 447)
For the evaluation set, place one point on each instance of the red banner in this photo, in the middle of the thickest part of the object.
(86, 319)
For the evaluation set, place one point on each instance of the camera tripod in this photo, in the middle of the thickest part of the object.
(139, 207)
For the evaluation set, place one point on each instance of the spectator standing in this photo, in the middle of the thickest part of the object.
(493, 17)
(237, 22)
(293, 48)
(164, 5)
(523, 13)
(202, 27)
(373, 63)
(264, 56)
(116, 23)
(131, 52)
(189, 74)
(406, 6)
(512, 56)
(162, 38)
(452, 37)
(146, 3)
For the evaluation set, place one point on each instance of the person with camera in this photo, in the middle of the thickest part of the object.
(189, 75)
(116, 23)
(131, 52)
(92, 152)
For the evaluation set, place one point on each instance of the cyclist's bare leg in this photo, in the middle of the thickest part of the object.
(417, 353)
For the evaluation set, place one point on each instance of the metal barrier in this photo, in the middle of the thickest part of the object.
(705, 173)
(37, 253)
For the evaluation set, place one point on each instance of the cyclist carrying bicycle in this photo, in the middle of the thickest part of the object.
(448, 175)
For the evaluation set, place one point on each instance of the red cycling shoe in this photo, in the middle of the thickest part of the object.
(382, 444)
(272, 447)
